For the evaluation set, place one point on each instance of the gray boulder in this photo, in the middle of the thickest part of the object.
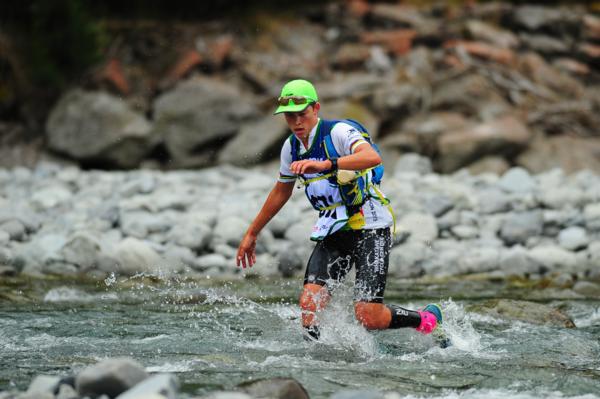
(159, 386)
(96, 126)
(492, 200)
(136, 256)
(517, 261)
(413, 162)
(519, 226)
(43, 385)
(13, 230)
(504, 134)
(554, 258)
(573, 238)
(256, 141)
(81, 249)
(479, 259)
(197, 114)
(591, 213)
(421, 226)
(517, 180)
(406, 259)
(111, 377)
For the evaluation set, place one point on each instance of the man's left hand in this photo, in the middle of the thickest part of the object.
(310, 166)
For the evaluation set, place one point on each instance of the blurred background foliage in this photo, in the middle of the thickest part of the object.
(57, 40)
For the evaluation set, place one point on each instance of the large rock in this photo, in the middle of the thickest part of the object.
(413, 163)
(159, 386)
(43, 385)
(111, 377)
(256, 141)
(98, 127)
(534, 17)
(538, 70)
(517, 180)
(421, 226)
(566, 152)
(351, 110)
(393, 98)
(554, 258)
(573, 238)
(517, 261)
(136, 256)
(198, 116)
(519, 226)
(471, 94)
(480, 30)
(505, 135)
(406, 259)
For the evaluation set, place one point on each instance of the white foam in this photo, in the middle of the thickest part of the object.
(340, 329)
(149, 339)
(177, 367)
(588, 320)
(68, 294)
(458, 326)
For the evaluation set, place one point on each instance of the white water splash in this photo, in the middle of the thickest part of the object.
(458, 326)
(340, 329)
(67, 294)
(177, 367)
(110, 280)
(588, 320)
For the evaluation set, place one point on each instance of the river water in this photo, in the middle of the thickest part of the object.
(215, 335)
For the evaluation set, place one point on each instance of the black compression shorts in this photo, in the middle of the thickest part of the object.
(367, 250)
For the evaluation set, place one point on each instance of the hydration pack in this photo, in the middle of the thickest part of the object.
(354, 186)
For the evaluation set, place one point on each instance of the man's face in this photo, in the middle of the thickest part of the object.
(301, 123)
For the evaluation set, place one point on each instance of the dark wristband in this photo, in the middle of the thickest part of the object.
(334, 165)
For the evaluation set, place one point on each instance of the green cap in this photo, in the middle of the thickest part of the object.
(297, 88)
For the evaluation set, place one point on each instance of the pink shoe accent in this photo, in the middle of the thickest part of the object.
(428, 322)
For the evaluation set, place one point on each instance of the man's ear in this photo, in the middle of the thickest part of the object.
(317, 107)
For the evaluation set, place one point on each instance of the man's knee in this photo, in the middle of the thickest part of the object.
(374, 316)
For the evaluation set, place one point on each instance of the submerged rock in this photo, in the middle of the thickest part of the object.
(276, 388)
(530, 312)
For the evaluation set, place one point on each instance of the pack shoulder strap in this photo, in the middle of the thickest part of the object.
(326, 127)
(294, 147)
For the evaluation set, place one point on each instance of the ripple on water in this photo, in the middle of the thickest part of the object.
(497, 394)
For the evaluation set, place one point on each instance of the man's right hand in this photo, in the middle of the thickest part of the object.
(246, 254)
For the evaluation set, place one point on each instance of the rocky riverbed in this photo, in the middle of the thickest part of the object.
(486, 85)
(65, 221)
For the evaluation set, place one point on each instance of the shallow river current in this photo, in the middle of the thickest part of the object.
(216, 335)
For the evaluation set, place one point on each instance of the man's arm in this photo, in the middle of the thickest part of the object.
(363, 157)
(279, 195)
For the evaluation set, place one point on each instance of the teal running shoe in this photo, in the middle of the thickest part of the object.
(431, 319)
(431, 316)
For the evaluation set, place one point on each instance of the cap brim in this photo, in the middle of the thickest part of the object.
(291, 108)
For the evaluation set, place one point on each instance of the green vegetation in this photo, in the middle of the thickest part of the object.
(57, 40)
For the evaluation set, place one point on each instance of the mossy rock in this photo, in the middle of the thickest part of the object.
(530, 312)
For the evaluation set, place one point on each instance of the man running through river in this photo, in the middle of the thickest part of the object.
(341, 171)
